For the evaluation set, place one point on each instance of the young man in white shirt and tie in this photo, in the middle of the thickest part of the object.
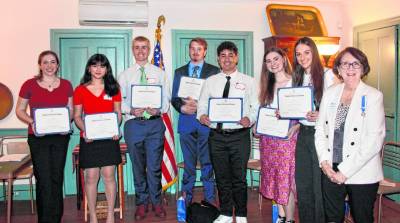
(230, 142)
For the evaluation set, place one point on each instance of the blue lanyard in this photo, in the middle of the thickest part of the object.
(363, 105)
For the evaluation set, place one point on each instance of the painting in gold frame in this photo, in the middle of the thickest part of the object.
(295, 20)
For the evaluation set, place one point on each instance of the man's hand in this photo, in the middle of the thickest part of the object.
(153, 111)
(245, 122)
(205, 120)
(189, 106)
(137, 112)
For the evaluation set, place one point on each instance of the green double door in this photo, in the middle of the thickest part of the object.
(74, 48)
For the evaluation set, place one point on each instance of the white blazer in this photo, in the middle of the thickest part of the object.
(364, 133)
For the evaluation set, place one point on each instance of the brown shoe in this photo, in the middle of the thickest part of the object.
(159, 211)
(140, 212)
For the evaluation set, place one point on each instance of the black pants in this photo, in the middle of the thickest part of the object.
(48, 157)
(361, 199)
(308, 178)
(229, 155)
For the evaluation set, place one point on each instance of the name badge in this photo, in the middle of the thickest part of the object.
(332, 106)
(106, 97)
(240, 86)
(151, 80)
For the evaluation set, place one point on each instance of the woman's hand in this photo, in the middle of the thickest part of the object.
(293, 130)
(312, 116)
(327, 169)
(339, 178)
(86, 139)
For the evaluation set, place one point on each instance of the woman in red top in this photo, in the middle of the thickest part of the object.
(48, 152)
(98, 93)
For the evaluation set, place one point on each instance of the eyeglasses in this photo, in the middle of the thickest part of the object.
(347, 65)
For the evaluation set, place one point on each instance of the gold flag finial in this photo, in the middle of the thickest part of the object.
(161, 19)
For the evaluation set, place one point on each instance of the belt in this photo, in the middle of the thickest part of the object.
(229, 131)
(144, 119)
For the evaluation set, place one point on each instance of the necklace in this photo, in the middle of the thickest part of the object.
(50, 85)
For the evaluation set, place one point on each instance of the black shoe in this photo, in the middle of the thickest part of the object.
(281, 219)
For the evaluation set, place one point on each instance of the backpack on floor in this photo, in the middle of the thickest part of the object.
(203, 212)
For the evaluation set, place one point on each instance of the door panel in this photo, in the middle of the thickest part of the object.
(74, 48)
(380, 47)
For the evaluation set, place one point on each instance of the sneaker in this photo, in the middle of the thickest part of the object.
(159, 211)
(140, 212)
(241, 219)
(281, 219)
(223, 219)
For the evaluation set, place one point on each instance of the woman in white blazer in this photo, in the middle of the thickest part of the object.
(349, 135)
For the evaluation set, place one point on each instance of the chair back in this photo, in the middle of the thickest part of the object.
(255, 148)
(391, 155)
(14, 145)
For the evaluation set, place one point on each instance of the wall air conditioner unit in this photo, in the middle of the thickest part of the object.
(113, 12)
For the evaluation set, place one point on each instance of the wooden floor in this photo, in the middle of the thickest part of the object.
(21, 211)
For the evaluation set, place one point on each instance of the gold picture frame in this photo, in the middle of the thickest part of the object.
(295, 20)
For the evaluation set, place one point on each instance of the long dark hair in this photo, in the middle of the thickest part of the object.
(111, 86)
(40, 58)
(317, 70)
(267, 79)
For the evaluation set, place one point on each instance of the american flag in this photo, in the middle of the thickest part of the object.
(168, 165)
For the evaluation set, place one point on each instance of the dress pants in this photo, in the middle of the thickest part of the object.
(229, 155)
(308, 178)
(195, 146)
(361, 199)
(48, 158)
(145, 140)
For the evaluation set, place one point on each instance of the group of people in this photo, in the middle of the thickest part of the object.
(331, 154)
(334, 152)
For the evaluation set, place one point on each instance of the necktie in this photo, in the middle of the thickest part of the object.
(225, 95)
(195, 72)
(143, 80)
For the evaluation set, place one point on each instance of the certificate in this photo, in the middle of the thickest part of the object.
(48, 121)
(295, 102)
(101, 125)
(225, 109)
(269, 124)
(190, 87)
(146, 96)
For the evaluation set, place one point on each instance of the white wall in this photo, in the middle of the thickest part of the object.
(25, 29)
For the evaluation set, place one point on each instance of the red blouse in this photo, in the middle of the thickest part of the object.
(42, 98)
(92, 104)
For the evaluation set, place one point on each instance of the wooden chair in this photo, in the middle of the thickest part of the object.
(120, 181)
(390, 158)
(254, 164)
(18, 145)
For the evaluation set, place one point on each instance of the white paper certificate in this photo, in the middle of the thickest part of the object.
(225, 109)
(294, 103)
(146, 96)
(190, 87)
(51, 120)
(101, 125)
(269, 124)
